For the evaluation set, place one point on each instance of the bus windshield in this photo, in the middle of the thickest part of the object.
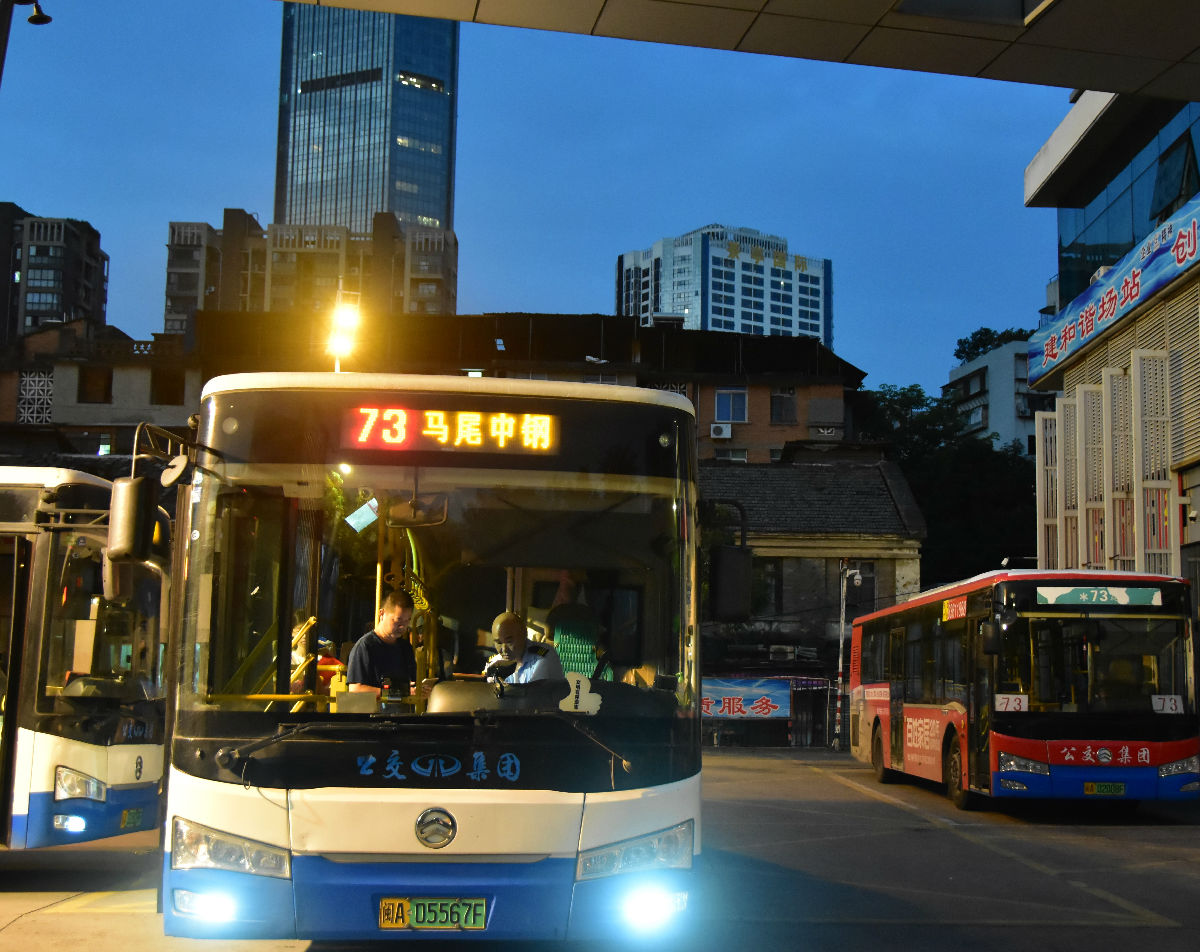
(294, 542)
(1098, 664)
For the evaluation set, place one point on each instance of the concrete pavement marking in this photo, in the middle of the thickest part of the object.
(128, 901)
(1144, 916)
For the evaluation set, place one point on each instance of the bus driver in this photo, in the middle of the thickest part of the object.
(519, 660)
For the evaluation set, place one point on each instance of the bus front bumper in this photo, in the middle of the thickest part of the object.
(49, 822)
(1091, 783)
(358, 901)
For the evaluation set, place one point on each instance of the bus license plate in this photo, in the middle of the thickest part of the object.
(431, 913)
(1104, 789)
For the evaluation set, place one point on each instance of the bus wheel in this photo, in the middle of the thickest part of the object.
(952, 774)
(882, 773)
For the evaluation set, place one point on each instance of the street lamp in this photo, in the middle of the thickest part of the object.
(37, 18)
(341, 337)
(855, 576)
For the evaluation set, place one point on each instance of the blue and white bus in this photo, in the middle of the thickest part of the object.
(81, 700)
(556, 809)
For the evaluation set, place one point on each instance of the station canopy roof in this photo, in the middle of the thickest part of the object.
(1148, 49)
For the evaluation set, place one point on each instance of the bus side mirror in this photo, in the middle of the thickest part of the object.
(730, 582)
(427, 510)
(132, 514)
(989, 637)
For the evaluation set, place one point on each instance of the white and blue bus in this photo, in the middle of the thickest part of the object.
(556, 809)
(81, 699)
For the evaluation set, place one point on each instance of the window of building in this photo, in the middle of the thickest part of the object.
(732, 455)
(976, 418)
(43, 301)
(783, 405)
(166, 386)
(43, 278)
(768, 586)
(104, 444)
(1176, 179)
(730, 405)
(95, 385)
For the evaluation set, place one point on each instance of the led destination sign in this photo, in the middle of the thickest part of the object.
(496, 431)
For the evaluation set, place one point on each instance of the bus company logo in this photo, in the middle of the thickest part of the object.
(135, 730)
(1124, 755)
(436, 765)
(954, 608)
(922, 733)
(435, 828)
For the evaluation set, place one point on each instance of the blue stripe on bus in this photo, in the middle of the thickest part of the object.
(1141, 783)
(341, 900)
(128, 809)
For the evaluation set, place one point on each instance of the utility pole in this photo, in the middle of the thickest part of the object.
(6, 11)
(845, 572)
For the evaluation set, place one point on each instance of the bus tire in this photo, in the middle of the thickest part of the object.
(952, 774)
(882, 773)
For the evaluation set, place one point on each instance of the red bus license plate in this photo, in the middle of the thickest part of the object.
(1104, 789)
(432, 913)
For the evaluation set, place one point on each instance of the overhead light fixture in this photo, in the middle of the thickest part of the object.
(39, 17)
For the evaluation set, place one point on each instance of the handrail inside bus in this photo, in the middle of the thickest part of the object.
(266, 641)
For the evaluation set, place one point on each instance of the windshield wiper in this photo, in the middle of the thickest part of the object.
(228, 756)
(626, 763)
(485, 718)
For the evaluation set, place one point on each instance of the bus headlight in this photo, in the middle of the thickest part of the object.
(649, 908)
(199, 847)
(1006, 762)
(666, 849)
(215, 907)
(1187, 765)
(71, 784)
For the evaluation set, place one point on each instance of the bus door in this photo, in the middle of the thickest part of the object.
(979, 706)
(15, 555)
(896, 683)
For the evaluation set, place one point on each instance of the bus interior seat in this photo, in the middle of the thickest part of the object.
(575, 631)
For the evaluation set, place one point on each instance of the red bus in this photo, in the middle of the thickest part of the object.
(1034, 684)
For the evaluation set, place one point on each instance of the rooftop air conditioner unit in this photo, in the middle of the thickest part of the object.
(720, 431)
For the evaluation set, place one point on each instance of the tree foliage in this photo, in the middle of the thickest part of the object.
(981, 341)
(978, 501)
(980, 508)
(912, 423)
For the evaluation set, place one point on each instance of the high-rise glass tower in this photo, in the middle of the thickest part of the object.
(366, 118)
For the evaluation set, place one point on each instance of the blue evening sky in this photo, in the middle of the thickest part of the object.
(571, 150)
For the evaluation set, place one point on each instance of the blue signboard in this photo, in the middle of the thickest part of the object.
(1156, 262)
(746, 698)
